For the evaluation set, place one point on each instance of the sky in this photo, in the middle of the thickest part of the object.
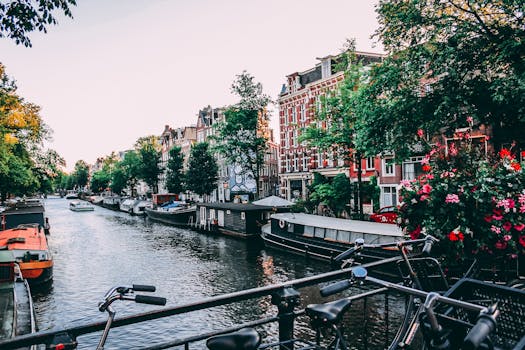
(123, 69)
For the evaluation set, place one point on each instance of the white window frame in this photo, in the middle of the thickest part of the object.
(394, 196)
(368, 161)
(388, 163)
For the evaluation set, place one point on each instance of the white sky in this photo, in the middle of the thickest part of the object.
(123, 69)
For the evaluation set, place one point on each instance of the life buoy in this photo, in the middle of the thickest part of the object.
(282, 223)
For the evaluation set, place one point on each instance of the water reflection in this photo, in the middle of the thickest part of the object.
(94, 251)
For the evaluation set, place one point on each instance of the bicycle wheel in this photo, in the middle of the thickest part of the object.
(409, 326)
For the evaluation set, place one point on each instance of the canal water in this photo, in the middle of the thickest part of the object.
(94, 251)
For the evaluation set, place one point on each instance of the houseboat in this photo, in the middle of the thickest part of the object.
(242, 220)
(139, 207)
(17, 316)
(173, 213)
(28, 211)
(126, 205)
(29, 246)
(111, 202)
(324, 238)
(81, 206)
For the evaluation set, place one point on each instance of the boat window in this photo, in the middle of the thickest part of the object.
(290, 227)
(356, 235)
(331, 234)
(343, 236)
(243, 215)
(319, 232)
(308, 231)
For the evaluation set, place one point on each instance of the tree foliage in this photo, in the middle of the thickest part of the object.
(335, 194)
(24, 166)
(201, 177)
(241, 139)
(20, 17)
(447, 60)
(148, 150)
(175, 173)
(81, 173)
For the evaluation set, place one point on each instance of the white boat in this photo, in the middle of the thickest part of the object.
(139, 207)
(81, 206)
(71, 195)
(126, 205)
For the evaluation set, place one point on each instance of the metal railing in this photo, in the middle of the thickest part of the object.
(284, 296)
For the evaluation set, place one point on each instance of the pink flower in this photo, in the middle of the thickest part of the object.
(500, 245)
(452, 198)
(519, 227)
(424, 197)
(507, 238)
(420, 132)
(426, 188)
(469, 120)
(507, 226)
(495, 229)
(497, 217)
(522, 241)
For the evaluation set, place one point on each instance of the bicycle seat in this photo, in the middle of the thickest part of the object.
(243, 339)
(327, 313)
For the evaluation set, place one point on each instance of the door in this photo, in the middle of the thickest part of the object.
(220, 218)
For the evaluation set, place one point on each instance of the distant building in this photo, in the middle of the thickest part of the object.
(298, 101)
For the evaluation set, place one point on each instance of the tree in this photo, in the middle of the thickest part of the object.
(448, 60)
(118, 180)
(131, 168)
(100, 181)
(22, 132)
(201, 177)
(241, 138)
(336, 119)
(81, 173)
(334, 194)
(19, 17)
(148, 149)
(175, 174)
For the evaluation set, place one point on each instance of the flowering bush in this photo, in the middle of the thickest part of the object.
(473, 203)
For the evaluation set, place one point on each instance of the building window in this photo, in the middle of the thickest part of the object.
(370, 163)
(320, 160)
(295, 138)
(388, 167)
(412, 168)
(303, 113)
(294, 115)
(388, 196)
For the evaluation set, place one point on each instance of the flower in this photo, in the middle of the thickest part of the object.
(470, 120)
(507, 238)
(420, 132)
(504, 153)
(452, 198)
(414, 234)
(516, 166)
(519, 227)
(426, 188)
(521, 240)
(500, 245)
(456, 236)
(507, 226)
(426, 168)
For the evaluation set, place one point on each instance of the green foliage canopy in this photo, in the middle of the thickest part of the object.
(175, 173)
(201, 177)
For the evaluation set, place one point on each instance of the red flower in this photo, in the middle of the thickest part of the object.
(416, 232)
(507, 226)
(488, 218)
(519, 227)
(426, 188)
(516, 166)
(426, 168)
(453, 236)
(522, 241)
(504, 153)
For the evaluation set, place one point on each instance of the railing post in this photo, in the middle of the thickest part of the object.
(286, 300)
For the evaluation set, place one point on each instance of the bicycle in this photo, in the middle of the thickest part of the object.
(439, 335)
(113, 294)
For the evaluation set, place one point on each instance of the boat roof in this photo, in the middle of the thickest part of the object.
(340, 224)
(27, 237)
(235, 206)
(31, 209)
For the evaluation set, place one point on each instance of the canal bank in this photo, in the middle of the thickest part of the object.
(96, 250)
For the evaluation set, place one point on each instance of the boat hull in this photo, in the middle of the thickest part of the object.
(82, 209)
(181, 217)
(37, 272)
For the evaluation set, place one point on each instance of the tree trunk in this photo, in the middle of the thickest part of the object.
(359, 186)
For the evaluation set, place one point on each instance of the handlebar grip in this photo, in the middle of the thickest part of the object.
(335, 288)
(345, 254)
(147, 299)
(481, 330)
(427, 247)
(143, 288)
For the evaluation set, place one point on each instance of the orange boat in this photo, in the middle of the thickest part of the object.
(29, 246)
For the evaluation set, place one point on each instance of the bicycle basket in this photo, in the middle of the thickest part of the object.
(510, 331)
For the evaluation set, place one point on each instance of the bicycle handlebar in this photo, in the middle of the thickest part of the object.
(335, 288)
(147, 299)
(484, 326)
(143, 288)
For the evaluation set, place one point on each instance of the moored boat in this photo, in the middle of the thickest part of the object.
(324, 238)
(17, 316)
(139, 207)
(111, 202)
(28, 211)
(81, 206)
(126, 205)
(28, 243)
(173, 213)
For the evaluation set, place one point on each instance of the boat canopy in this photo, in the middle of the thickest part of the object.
(340, 224)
